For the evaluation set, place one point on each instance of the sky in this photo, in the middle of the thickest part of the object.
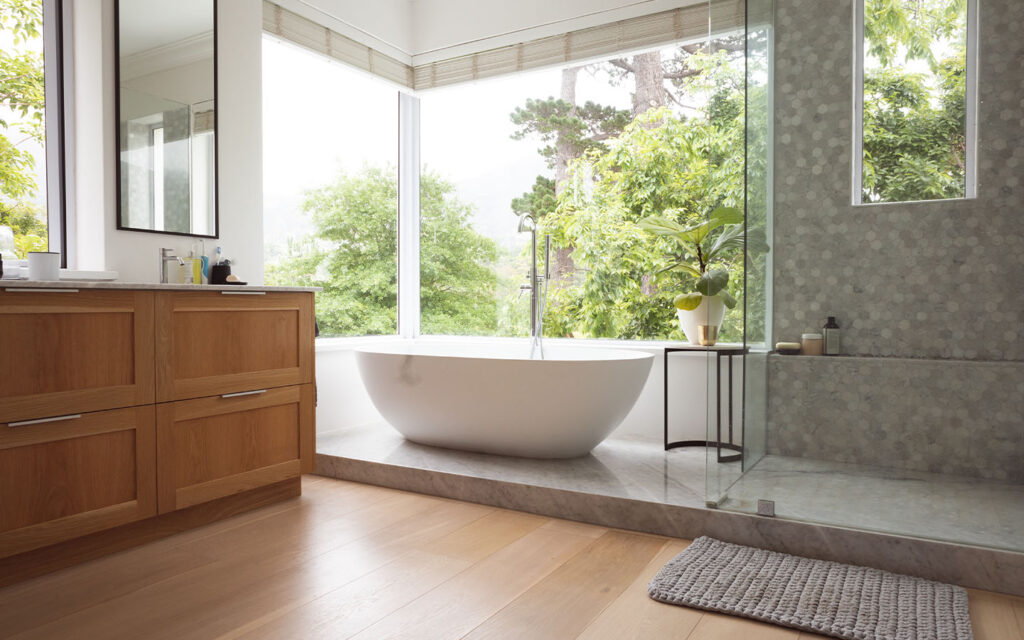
(321, 116)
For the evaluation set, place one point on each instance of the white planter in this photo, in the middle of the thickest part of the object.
(710, 312)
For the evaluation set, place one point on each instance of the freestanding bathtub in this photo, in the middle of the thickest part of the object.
(494, 399)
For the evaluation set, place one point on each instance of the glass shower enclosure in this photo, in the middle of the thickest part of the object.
(915, 429)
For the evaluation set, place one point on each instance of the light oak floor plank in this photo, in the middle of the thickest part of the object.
(635, 616)
(993, 616)
(584, 585)
(349, 609)
(349, 560)
(463, 602)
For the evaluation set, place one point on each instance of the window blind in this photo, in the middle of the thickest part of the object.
(685, 23)
(306, 33)
(692, 23)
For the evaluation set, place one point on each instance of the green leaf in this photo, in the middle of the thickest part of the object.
(687, 301)
(661, 226)
(727, 298)
(712, 282)
(726, 215)
(731, 238)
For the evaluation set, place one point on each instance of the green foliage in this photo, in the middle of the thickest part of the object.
(915, 123)
(457, 276)
(580, 128)
(911, 27)
(719, 239)
(539, 201)
(21, 94)
(29, 226)
(353, 253)
(662, 165)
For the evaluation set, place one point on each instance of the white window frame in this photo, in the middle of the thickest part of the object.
(971, 109)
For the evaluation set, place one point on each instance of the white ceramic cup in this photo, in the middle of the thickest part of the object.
(43, 265)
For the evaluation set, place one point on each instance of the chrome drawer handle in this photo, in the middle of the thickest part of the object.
(244, 393)
(243, 293)
(25, 423)
(37, 290)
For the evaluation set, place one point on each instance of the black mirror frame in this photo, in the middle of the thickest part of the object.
(216, 132)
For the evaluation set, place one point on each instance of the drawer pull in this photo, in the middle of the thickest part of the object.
(243, 293)
(38, 290)
(25, 423)
(244, 393)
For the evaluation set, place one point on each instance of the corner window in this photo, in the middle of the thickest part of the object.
(914, 136)
(31, 128)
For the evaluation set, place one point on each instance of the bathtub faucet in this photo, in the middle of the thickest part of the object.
(538, 285)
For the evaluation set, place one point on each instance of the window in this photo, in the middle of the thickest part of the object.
(31, 128)
(589, 150)
(915, 100)
(330, 145)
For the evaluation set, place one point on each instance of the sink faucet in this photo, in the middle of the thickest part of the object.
(165, 257)
(537, 286)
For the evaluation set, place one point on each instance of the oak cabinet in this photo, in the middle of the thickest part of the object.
(213, 447)
(74, 351)
(61, 479)
(125, 407)
(212, 343)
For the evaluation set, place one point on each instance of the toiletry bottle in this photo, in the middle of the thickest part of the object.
(831, 337)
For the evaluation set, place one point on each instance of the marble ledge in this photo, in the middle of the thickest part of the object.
(12, 284)
(969, 566)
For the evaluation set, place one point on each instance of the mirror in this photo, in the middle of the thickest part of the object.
(167, 125)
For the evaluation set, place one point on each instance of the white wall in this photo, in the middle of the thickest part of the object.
(134, 254)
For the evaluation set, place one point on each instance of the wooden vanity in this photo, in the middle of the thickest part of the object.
(127, 414)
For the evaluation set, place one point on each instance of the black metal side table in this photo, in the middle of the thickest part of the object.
(721, 352)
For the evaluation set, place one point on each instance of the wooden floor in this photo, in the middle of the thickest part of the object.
(355, 561)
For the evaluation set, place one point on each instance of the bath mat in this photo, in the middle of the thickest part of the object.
(824, 597)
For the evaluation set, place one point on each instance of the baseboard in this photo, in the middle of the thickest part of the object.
(45, 560)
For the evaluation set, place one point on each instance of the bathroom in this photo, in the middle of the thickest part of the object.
(460, 239)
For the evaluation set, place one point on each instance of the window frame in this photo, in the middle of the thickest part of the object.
(55, 88)
(970, 109)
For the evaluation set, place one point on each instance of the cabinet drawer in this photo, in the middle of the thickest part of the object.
(213, 447)
(74, 352)
(66, 478)
(211, 343)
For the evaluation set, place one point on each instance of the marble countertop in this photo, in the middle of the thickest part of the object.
(148, 286)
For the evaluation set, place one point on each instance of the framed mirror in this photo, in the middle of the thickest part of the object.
(166, 112)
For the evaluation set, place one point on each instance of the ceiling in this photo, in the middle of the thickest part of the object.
(149, 24)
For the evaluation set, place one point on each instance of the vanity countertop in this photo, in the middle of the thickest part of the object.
(149, 286)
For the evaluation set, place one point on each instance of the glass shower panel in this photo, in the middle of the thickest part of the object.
(737, 369)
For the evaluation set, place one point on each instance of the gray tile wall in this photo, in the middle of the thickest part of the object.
(923, 280)
(954, 417)
(932, 280)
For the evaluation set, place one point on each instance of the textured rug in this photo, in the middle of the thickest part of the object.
(824, 597)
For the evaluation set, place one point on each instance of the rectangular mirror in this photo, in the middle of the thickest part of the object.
(167, 124)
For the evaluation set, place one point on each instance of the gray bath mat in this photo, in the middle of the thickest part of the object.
(812, 595)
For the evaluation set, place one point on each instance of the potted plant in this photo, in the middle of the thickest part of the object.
(704, 250)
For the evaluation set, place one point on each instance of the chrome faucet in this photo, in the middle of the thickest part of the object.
(538, 285)
(165, 257)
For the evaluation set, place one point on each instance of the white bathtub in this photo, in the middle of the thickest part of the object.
(493, 398)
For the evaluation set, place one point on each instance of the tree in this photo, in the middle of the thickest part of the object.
(353, 251)
(22, 96)
(660, 162)
(915, 143)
